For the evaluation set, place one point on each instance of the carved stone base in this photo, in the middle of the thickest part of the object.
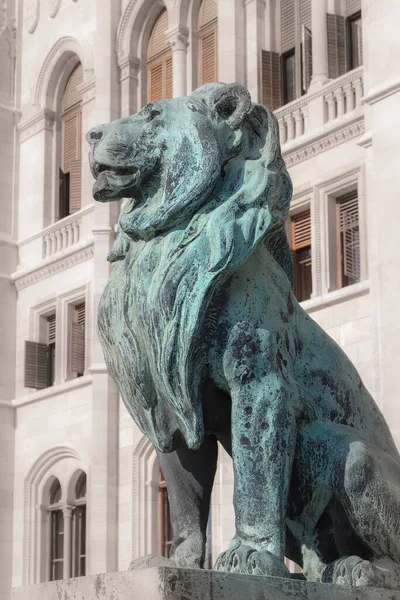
(168, 583)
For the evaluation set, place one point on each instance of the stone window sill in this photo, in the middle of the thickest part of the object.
(336, 297)
(54, 390)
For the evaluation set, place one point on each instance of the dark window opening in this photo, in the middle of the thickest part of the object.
(289, 76)
(64, 194)
(354, 45)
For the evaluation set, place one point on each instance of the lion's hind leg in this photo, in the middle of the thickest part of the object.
(368, 484)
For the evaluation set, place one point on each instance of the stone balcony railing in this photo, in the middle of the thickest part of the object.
(309, 113)
(56, 239)
(62, 236)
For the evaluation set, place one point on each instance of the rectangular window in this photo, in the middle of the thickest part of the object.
(301, 253)
(57, 545)
(348, 242)
(40, 358)
(77, 345)
(354, 43)
(79, 541)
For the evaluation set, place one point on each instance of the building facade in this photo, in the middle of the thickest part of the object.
(80, 489)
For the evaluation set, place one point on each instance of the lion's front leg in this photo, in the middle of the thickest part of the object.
(189, 475)
(263, 440)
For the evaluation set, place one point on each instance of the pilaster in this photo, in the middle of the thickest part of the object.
(129, 78)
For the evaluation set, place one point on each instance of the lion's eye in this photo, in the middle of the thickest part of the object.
(153, 113)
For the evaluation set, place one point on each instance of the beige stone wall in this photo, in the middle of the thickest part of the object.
(82, 423)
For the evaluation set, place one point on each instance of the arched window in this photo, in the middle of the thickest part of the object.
(165, 533)
(70, 172)
(56, 532)
(159, 61)
(79, 528)
(207, 39)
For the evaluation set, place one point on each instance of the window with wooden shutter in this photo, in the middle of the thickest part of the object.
(271, 79)
(288, 25)
(207, 40)
(70, 175)
(40, 358)
(78, 340)
(306, 57)
(336, 34)
(348, 239)
(36, 371)
(159, 62)
(301, 254)
(352, 7)
(296, 48)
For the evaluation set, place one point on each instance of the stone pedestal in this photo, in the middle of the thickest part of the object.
(167, 583)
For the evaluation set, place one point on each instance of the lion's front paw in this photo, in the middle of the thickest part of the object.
(246, 559)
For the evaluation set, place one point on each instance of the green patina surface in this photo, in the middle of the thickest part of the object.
(202, 333)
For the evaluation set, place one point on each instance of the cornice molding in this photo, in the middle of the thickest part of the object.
(338, 178)
(76, 256)
(323, 143)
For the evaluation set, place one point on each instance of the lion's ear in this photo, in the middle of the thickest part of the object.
(232, 102)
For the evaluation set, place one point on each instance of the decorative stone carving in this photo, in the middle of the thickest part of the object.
(206, 341)
(31, 14)
(52, 7)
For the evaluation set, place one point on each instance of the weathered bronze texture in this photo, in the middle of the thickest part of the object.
(206, 341)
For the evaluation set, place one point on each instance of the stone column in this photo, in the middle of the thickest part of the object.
(231, 41)
(178, 40)
(255, 38)
(319, 44)
(67, 514)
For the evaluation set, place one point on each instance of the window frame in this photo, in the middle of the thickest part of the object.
(78, 504)
(326, 195)
(38, 334)
(357, 16)
(68, 303)
(284, 56)
(55, 510)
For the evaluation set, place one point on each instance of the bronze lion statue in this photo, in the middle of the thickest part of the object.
(206, 341)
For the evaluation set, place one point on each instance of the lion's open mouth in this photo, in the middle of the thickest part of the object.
(98, 168)
(113, 182)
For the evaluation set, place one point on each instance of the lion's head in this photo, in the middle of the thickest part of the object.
(206, 180)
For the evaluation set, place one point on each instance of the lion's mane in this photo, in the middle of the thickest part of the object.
(172, 279)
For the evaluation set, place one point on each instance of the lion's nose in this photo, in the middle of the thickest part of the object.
(95, 135)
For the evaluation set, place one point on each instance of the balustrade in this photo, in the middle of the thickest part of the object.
(62, 236)
(340, 97)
